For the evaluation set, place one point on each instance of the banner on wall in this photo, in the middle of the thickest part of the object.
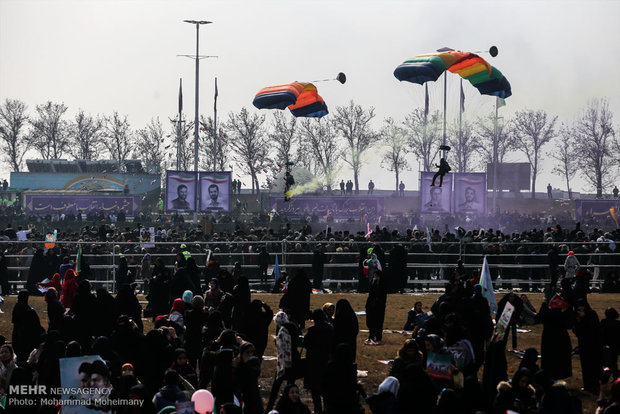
(338, 207)
(215, 191)
(435, 199)
(181, 191)
(470, 193)
(39, 204)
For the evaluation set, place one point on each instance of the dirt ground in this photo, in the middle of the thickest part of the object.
(368, 357)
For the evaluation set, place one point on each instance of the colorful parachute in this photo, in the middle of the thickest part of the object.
(430, 66)
(301, 98)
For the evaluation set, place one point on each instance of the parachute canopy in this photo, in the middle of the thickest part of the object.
(301, 98)
(430, 66)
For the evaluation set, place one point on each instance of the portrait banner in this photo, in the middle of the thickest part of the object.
(470, 195)
(215, 192)
(181, 192)
(84, 385)
(435, 199)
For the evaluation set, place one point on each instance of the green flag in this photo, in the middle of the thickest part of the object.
(78, 261)
(501, 102)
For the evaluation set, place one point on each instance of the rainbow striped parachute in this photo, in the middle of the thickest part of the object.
(301, 98)
(430, 66)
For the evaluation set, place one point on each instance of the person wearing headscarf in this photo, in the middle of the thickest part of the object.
(7, 365)
(319, 344)
(213, 296)
(375, 308)
(195, 318)
(257, 321)
(69, 288)
(290, 403)
(176, 315)
(571, 265)
(346, 326)
(297, 298)
(524, 392)
(530, 360)
(384, 401)
(341, 389)
(246, 373)
(610, 335)
(55, 282)
(185, 369)
(288, 359)
(241, 302)
(36, 272)
(194, 275)
(146, 272)
(159, 291)
(588, 331)
(127, 303)
(555, 344)
(55, 310)
(27, 328)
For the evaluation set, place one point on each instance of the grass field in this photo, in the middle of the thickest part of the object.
(367, 357)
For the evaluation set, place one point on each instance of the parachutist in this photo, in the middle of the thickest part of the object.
(444, 168)
(289, 181)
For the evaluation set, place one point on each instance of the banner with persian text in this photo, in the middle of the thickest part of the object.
(39, 204)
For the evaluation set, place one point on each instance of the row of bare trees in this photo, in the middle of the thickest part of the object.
(261, 148)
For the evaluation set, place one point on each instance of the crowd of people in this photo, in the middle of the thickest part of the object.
(213, 335)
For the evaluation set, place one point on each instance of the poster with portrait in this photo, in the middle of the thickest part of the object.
(86, 380)
(215, 189)
(435, 199)
(181, 191)
(470, 193)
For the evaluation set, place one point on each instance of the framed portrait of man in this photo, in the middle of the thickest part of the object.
(181, 191)
(470, 193)
(435, 199)
(215, 192)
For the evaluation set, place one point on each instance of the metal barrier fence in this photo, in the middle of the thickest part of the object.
(424, 268)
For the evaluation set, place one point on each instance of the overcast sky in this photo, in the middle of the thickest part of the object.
(102, 56)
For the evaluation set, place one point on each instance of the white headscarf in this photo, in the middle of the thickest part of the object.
(390, 384)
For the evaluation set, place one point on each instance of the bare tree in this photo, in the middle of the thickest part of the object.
(210, 143)
(564, 153)
(594, 137)
(465, 144)
(532, 131)
(485, 128)
(49, 131)
(247, 139)
(284, 136)
(322, 144)
(13, 120)
(353, 123)
(395, 140)
(150, 145)
(85, 142)
(423, 135)
(186, 161)
(118, 138)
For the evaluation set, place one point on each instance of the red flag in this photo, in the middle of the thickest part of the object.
(180, 95)
(462, 98)
(426, 100)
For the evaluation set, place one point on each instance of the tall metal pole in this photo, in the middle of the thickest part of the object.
(215, 128)
(495, 144)
(196, 124)
(460, 122)
(180, 127)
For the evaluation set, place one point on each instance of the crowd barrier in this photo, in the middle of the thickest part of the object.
(428, 269)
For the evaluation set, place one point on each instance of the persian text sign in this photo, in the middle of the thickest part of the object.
(338, 207)
(39, 204)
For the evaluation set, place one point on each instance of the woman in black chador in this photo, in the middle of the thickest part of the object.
(588, 331)
(375, 309)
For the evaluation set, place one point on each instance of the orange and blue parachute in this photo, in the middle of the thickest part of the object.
(301, 98)
(430, 66)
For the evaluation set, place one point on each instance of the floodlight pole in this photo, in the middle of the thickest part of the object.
(495, 156)
(197, 23)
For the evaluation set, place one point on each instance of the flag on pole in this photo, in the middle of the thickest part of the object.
(426, 99)
(276, 269)
(215, 97)
(462, 98)
(487, 286)
(500, 102)
(180, 95)
(78, 261)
